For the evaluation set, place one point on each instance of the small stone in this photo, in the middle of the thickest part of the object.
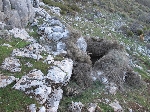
(32, 108)
(92, 107)
(116, 106)
(81, 43)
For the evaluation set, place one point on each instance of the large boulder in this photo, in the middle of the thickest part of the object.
(16, 13)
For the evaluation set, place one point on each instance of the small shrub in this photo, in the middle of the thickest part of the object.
(129, 33)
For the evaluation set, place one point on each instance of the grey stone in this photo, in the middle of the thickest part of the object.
(17, 12)
(8, 27)
(1, 16)
(35, 3)
(81, 43)
(6, 6)
(6, 80)
(1, 5)
(75, 107)
(12, 64)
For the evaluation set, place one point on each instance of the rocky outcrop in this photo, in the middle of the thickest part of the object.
(47, 89)
(16, 13)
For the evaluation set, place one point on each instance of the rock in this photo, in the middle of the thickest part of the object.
(57, 29)
(61, 46)
(1, 6)
(34, 84)
(5, 34)
(112, 89)
(12, 64)
(31, 51)
(92, 107)
(42, 109)
(35, 3)
(53, 30)
(28, 64)
(75, 107)
(55, 10)
(49, 59)
(81, 43)
(17, 12)
(6, 80)
(22, 34)
(53, 101)
(116, 106)
(7, 45)
(61, 73)
(1, 24)
(32, 108)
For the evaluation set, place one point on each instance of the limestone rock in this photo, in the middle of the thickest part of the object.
(12, 64)
(22, 34)
(35, 3)
(55, 10)
(75, 107)
(92, 107)
(1, 5)
(49, 59)
(53, 30)
(42, 109)
(61, 73)
(31, 51)
(116, 106)
(17, 12)
(32, 108)
(81, 43)
(7, 45)
(53, 101)
(34, 83)
(6, 80)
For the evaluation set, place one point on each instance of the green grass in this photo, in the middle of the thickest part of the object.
(13, 100)
(65, 8)
(34, 33)
(6, 51)
(87, 96)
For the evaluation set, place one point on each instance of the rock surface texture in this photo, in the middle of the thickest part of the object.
(16, 13)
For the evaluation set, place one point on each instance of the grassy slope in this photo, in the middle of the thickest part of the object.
(101, 27)
(13, 100)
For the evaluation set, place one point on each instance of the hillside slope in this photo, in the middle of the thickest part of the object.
(75, 56)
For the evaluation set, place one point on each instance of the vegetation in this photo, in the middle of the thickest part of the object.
(12, 100)
(112, 11)
(65, 8)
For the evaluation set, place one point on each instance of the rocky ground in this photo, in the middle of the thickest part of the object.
(75, 56)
